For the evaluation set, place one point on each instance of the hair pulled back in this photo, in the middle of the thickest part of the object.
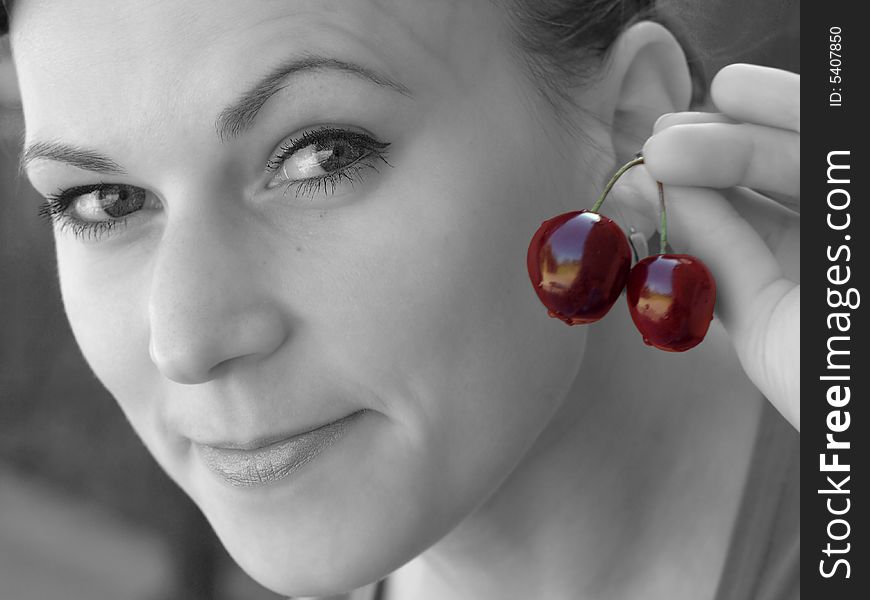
(562, 41)
(565, 41)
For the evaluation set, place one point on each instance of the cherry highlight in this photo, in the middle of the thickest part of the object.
(580, 261)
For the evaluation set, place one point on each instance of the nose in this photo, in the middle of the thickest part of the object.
(209, 306)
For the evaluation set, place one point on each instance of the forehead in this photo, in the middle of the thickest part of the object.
(133, 62)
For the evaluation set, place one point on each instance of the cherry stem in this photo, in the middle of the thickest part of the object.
(636, 161)
(663, 227)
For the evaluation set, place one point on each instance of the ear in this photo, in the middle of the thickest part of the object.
(647, 76)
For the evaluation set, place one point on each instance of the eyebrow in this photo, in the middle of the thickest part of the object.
(234, 120)
(72, 155)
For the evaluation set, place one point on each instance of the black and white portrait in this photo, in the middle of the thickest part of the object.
(400, 300)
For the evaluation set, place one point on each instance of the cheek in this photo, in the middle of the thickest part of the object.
(449, 328)
(105, 303)
(99, 310)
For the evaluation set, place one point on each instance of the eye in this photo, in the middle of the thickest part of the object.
(321, 159)
(104, 203)
(92, 210)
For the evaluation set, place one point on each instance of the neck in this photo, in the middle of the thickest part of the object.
(631, 491)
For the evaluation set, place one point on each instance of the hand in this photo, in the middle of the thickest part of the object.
(732, 188)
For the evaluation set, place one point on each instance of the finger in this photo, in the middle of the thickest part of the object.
(759, 308)
(778, 227)
(768, 217)
(721, 156)
(760, 95)
(701, 222)
(688, 118)
(792, 204)
(771, 353)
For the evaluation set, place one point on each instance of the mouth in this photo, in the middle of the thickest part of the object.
(264, 462)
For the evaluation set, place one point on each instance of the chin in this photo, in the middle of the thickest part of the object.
(305, 571)
(338, 523)
(318, 556)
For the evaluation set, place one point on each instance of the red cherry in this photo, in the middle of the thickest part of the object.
(578, 263)
(671, 298)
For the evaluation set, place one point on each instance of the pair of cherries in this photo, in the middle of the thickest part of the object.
(579, 262)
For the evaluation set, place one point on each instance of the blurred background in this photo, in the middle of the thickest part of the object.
(85, 513)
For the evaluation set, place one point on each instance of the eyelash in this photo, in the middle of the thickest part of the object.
(54, 210)
(56, 206)
(376, 151)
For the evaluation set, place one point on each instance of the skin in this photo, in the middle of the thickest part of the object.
(226, 311)
(753, 143)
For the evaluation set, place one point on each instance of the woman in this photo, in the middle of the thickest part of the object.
(291, 241)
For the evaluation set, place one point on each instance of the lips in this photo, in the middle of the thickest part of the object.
(259, 464)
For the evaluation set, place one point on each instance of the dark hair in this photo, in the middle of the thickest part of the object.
(5, 9)
(564, 41)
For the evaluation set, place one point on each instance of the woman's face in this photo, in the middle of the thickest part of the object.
(279, 214)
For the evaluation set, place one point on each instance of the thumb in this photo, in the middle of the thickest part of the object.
(758, 307)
